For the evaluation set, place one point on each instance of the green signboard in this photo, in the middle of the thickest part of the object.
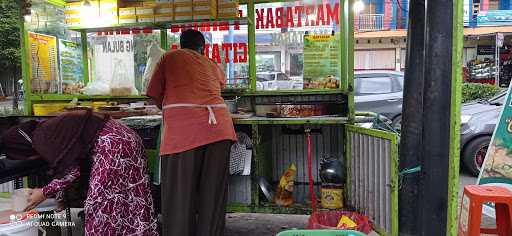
(321, 61)
(497, 167)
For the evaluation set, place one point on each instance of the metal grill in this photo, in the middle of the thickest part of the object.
(373, 176)
(371, 22)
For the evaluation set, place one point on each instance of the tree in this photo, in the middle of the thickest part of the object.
(10, 53)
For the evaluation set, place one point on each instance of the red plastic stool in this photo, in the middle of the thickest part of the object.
(470, 215)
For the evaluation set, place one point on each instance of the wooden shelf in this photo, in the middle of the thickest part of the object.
(160, 25)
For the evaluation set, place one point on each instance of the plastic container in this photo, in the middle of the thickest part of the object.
(321, 233)
(20, 199)
(46, 109)
(27, 227)
(330, 219)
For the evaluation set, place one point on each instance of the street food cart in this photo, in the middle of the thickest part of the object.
(289, 67)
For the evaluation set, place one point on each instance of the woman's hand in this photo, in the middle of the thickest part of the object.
(35, 197)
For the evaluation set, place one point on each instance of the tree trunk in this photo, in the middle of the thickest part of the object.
(14, 78)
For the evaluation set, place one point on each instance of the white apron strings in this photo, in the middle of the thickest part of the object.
(211, 115)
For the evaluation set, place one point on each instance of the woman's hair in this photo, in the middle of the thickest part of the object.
(192, 39)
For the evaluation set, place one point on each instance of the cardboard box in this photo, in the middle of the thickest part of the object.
(126, 11)
(73, 6)
(127, 19)
(146, 18)
(228, 11)
(227, 15)
(144, 10)
(164, 9)
(164, 17)
(227, 5)
(72, 14)
(183, 16)
(183, 8)
(186, 2)
(73, 22)
(200, 16)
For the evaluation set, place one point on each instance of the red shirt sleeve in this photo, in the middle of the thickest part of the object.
(156, 85)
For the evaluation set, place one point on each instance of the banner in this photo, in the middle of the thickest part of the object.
(71, 67)
(114, 63)
(321, 61)
(497, 167)
(43, 56)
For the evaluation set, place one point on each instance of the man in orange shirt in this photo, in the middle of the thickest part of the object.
(197, 137)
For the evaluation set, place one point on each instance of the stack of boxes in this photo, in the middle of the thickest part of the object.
(164, 11)
(72, 13)
(205, 9)
(146, 13)
(108, 12)
(183, 10)
(227, 8)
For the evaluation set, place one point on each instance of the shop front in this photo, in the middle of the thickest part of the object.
(289, 68)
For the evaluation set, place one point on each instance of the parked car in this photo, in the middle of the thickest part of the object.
(277, 81)
(380, 92)
(478, 120)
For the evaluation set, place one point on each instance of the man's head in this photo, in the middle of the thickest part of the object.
(192, 39)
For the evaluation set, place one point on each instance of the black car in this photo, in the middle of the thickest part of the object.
(478, 120)
(380, 92)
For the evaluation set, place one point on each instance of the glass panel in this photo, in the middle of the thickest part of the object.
(280, 44)
(375, 85)
(118, 61)
(54, 53)
(225, 44)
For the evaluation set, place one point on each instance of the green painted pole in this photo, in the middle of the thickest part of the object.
(252, 44)
(453, 176)
(164, 39)
(85, 55)
(347, 54)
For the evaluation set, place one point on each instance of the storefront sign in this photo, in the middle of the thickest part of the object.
(497, 167)
(225, 52)
(43, 54)
(297, 16)
(321, 60)
(114, 56)
(486, 50)
(494, 18)
(70, 55)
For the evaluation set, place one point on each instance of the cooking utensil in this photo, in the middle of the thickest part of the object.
(266, 189)
(331, 171)
(232, 106)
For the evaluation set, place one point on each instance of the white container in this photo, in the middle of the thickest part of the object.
(20, 199)
(28, 227)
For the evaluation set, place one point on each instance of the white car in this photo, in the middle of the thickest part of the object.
(277, 81)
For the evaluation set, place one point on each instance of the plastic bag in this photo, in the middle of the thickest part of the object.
(155, 53)
(330, 219)
(122, 84)
(97, 88)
